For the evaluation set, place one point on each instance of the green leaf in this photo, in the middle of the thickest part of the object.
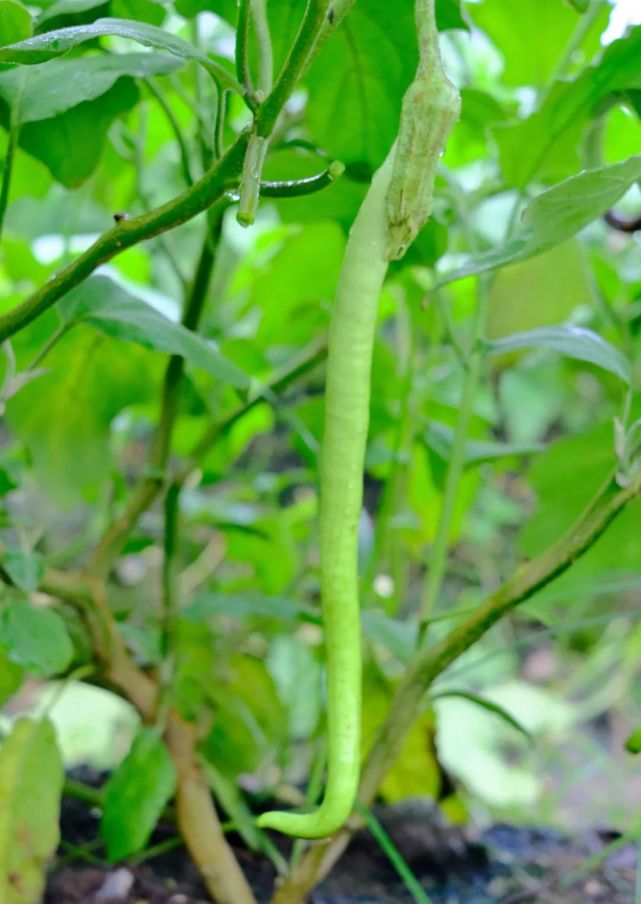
(540, 291)
(449, 16)
(556, 215)
(31, 778)
(226, 9)
(525, 148)
(71, 144)
(242, 605)
(233, 803)
(24, 567)
(11, 677)
(34, 93)
(633, 741)
(56, 43)
(136, 794)
(150, 11)
(568, 207)
(15, 22)
(61, 13)
(105, 305)
(440, 438)
(581, 6)
(357, 84)
(399, 637)
(64, 417)
(571, 341)
(35, 638)
(510, 27)
(64, 13)
(67, 129)
(486, 704)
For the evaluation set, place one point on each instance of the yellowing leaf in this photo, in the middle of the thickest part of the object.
(31, 777)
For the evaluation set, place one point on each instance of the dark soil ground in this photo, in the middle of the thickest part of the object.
(504, 864)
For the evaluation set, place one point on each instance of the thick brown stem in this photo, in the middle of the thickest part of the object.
(198, 821)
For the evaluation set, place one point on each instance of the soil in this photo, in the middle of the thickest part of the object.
(501, 865)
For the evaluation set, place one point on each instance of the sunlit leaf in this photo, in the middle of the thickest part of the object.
(15, 22)
(104, 304)
(55, 43)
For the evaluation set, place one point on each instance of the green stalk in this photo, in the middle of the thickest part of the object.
(175, 128)
(439, 555)
(126, 233)
(12, 144)
(265, 53)
(243, 73)
(394, 856)
(321, 18)
(152, 484)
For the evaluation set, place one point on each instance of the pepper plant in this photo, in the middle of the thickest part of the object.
(192, 413)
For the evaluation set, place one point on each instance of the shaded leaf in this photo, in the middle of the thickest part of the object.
(357, 84)
(136, 795)
(543, 290)
(35, 638)
(24, 567)
(31, 778)
(449, 16)
(486, 704)
(399, 637)
(242, 605)
(110, 308)
(69, 12)
(440, 438)
(56, 43)
(571, 341)
(64, 417)
(71, 144)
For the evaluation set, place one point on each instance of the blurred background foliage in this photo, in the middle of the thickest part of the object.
(81, 389)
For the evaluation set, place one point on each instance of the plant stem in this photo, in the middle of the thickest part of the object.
(243, 73)
(316, 27)
(302, 364)
(149, 488)
(126, 233)
(175, 127)
(471, 377)
(198, 821)
(394, 856)
(113, 538)
(430, 661)
(169, 570)
(580, 33)
(12, 144)
(315, 30)
(265, 53)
